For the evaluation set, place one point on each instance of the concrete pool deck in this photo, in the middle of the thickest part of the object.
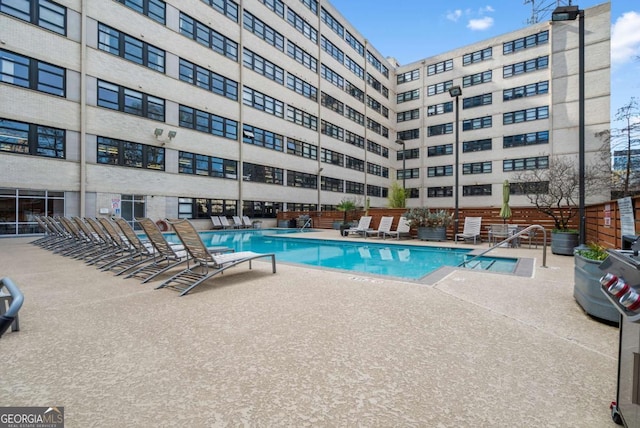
(307, 347)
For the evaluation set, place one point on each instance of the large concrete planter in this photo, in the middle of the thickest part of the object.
(563, 243)
(587, 289)
(432, 233)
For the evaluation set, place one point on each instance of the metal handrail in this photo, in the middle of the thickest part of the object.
(512, 237)
(306, 223)
(17, 299)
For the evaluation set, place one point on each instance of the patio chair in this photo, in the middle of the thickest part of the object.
(471, 229)
(247, 221)
(143, 252)
(403, 229)
(225, 222)
(498, 232)
(361, 228)
(165, 256)
(383, 228)
(237, 222)
(216, 222)
(203, 263)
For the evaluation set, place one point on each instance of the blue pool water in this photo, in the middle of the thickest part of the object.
(375, 257)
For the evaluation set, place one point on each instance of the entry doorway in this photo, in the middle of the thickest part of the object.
(133, 206)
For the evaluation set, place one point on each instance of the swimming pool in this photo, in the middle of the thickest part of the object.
(379, 257)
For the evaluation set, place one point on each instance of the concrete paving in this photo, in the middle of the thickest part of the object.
(307, 347)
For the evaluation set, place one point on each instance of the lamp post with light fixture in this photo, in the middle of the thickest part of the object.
(404, 166)
(571, 13)
(455, 92)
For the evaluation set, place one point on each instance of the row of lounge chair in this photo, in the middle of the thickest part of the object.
(113, 245)
(383, 230)
(222, 222)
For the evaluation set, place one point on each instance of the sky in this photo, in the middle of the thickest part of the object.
(410, 30)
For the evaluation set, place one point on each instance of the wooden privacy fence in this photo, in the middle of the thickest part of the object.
(602, 221)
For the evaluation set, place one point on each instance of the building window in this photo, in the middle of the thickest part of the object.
(375, 169)
(205, 208)
(18, 209)
(208, 166)
(375, 84)
(354, 139)
(126, 153)
(354, 163)
(209, 123)
(262, 66)
(440, 171)
(301, 87)
(302, 149)
(477, 123)
(208, 37)
(276, 6)
(525, 66)
(477, 79)
(208, 80)
(408, 76)
(439, 67)
(127, 47)
(440, 192)
(262, 174)
(531, 138)
(263, 31)
(354, 115)
(408, 96)
(226, 7)
(535, 113)
(32, 74)
(477, 56)
(405, 174)
(377, 127)
(525, 42)
(477, 101)
(378, 149)
(261, 209)
(377, 191)
(333, 23)
(154, 9)
(329, 156)
(526, 91)
(331, 103)
(353, 187)
(127, 100)
(528, 188)
(441, 150)
(371, 58)
(331, 76)
(262, 138)
(476, 168)
(301, 56)
(538, 162)
(331, 184)
(262, 102)
(477, 190)
(410, 134)
(408, 154)
(31, 139)
(332, 130)
(354, 43)
(439, 88)
(476, 145)
(302, 179)
(43, 13)
(445, 128)
(408, 115)
(441, 108)
(312, 5)
(302, 118)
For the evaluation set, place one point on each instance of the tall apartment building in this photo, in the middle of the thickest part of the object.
(198, 107)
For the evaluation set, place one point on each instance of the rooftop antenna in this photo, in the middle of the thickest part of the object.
(541, 9)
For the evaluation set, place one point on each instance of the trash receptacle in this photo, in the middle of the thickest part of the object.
(628, 240)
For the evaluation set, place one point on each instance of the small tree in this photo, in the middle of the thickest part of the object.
(346, 205)
(397, 196)
(554, 191)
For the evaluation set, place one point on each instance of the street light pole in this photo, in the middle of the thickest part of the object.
(571, 13)
(404, 166)
(456, 91)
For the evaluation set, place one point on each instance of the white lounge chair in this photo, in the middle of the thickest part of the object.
(237, 222)
(471, 229)
(216, 222)
(403, 229)
(361, 228)
(246, 221)
(225, 222)
(383, 228)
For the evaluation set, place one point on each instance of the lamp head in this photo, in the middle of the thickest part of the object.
(158, 132)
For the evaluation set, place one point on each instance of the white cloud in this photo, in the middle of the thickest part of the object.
(625, 38)
(480, 24)
(455, 15)
(486, 9)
